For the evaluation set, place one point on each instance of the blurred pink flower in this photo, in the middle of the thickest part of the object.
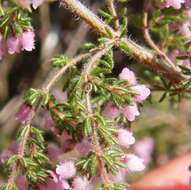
(144, 148)
(80, 183)
(125, 138)
(22, 183)
(66, 170)
(36, 3)
(27, 40)
(176, 4)
(128, 75)
(53, 152)
(120, 176)
(130, 112)
(134, 163)
(59, 95)
(142, 91)
(185, 29)
(23, 115)
(13, 45)
(110, 111)
(84, 147)
(48, 122)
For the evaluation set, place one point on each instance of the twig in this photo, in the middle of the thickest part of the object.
(95, 141)
(92, 62)
(148, 58)
(151, 42)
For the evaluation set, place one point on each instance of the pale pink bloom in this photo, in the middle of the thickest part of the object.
(53, 152)
(66, 170)
(142, 93)
(80, 183)
(130, 112)
(59, 95)
(27, 40)
(134, 163)
(188, 13)
(144, 148)
(65, 185)
(110, 111)
(84, 147)
(36, 3)
(176, 4)
(23, 115)
(185, 30)
(128, 75)
(120, 176)
(48, 122)
(22, 183)
(13, 45)
(186, 63)
(125, 138)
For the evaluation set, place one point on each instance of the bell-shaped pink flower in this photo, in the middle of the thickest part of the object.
(176, 4)
(134, 163)
(84, 147)
(130, 112)
(23, 115)
(66, 170)
(27, 40)
(110, 111)
(120, 176)
(144, 148)
(125, 138)
(128, 75)
(80, 183)
(185, 29)
(142, 93)
(13, 45)
(36, 3)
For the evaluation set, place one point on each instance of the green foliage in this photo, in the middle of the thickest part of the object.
(59, 61)
(35, 97)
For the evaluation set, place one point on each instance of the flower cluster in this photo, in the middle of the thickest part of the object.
(25, 41)
(130, 111)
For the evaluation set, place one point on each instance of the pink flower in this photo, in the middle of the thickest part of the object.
(48, 122)
(80, 183)
(142, 91)
(83, 148)
(22, 183)
(185, 30)
(27, 40)
(66, 170)
(120, 176)
(130, 112)
(134, 163)
(36, 3)
(110, 111)
(13, 45)
(176, 4)
(125, 138)
(23, 115)
(129, 75)
(144, 148)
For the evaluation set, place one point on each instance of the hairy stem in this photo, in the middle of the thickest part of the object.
(147, 57)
